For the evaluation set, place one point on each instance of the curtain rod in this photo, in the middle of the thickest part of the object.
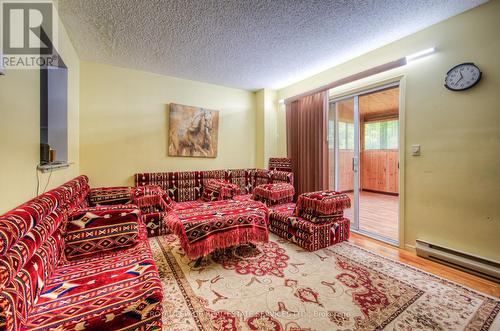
(360, 75)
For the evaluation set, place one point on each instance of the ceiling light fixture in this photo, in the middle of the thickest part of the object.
(418, 55)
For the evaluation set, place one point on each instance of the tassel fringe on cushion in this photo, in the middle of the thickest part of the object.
(323, 202)
(274, 191)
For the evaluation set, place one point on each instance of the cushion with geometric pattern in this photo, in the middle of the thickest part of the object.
(110, 195)
(152, 199)
(93, 230)
(217, 189)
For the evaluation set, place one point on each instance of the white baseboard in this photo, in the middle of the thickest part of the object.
(410, 248)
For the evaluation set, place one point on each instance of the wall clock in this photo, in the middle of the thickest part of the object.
(462, 77)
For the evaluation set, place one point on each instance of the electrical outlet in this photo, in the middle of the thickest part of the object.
(415, 150)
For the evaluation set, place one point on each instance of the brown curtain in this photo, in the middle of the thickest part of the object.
(306, 134)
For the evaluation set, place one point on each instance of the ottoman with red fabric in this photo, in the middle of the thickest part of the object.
(308, 235)
(205, 227)
(274, 194)
(322, 206)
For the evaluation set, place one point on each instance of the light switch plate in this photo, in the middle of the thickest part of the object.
(415, 150)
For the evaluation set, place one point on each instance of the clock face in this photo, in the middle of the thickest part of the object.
(462, 77)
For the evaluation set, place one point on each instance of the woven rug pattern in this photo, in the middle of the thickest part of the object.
(280, 286)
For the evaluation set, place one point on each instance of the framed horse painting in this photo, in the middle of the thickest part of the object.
(193, 131)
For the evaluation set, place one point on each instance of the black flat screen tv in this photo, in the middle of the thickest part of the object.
(54, 112)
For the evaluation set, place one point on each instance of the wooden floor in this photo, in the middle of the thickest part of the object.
(457, 276)
(378, 214)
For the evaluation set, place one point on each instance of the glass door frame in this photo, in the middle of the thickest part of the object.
(355, 160)
(356, 157)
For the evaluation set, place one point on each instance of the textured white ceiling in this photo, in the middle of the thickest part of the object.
(243, 43)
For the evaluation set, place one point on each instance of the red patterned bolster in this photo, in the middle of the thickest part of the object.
(272, 194)
(322, 203)
(94, 230)
(18, 222)
(314, 218)
(31, 224)
(8, 301)
(110, 195)
(19, 254)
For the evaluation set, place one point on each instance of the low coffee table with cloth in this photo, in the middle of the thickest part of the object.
(204, 227)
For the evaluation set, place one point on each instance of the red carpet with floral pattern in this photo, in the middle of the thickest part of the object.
(280, 286)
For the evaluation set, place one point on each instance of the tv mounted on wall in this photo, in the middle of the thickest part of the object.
(54, 113)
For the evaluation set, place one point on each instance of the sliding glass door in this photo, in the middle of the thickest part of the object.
(344, 151)
(364, 155)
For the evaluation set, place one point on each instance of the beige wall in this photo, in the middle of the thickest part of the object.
(124, 121)
(260, 139)
(270, 125)
(267, 131)
(20, 129)
(452, 191)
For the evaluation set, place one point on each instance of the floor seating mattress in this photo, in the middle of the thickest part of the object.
(308, 235)
(80, 296)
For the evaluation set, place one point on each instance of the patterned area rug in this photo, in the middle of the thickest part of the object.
(279, 286)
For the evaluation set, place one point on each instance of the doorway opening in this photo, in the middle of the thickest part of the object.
(364, 159)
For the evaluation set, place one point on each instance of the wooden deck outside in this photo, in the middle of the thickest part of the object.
(378, 214)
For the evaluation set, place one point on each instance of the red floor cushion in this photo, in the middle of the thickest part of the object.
(217, 189)
(308, 235)
(97, 229)
(274, 194)
(151, 199)
(154, 203)
(120, 289)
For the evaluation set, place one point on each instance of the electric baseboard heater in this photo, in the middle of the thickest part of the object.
(473, 264)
